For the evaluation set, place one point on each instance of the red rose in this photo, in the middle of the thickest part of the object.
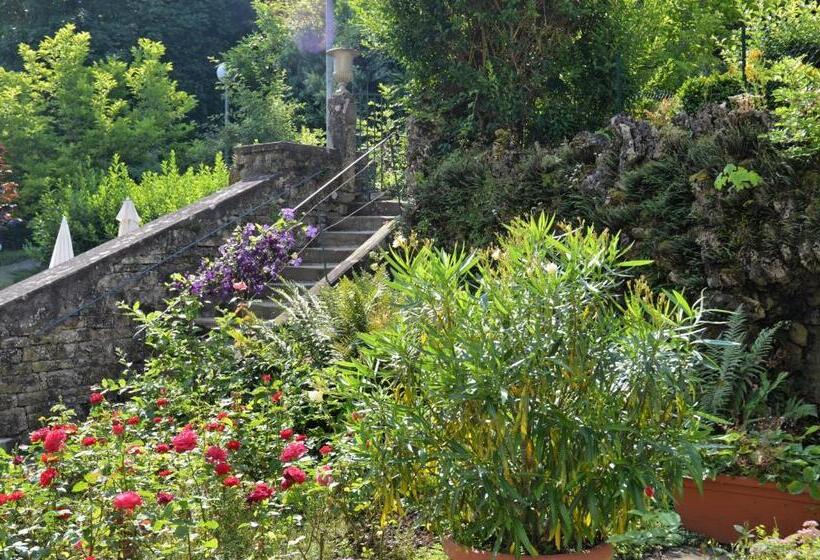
(222, 415)
(260, 493)
(39, 435)
(215, 427)
(231, 481)
(234, 445)
(127, 501)
(216, 454)
(55, 440)
(133, 421)
(294, 474)
(293, 451)
(96, 398)
(222, 469)
(324, 476)
(266, 378)
(157, 419)
(649, 491)
(286, 434)
(301, 437)
(16, 496)
(164, 473)
(326, 449)
(117, 428)
(184, 440)
(276, 397)
(162, 402)
(88, 441)
(162, 448)
(164, 498)
(47, 477)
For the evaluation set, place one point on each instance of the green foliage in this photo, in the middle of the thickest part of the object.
(92, 200)
(714, 88)
(738, 177)
(652, 530)
(734, 382)
(803, 545)
(768, 454)
(750, 411)
(475, 68)
(797, 128)
(525, 398)
(61, 118)
(193, 32)
(665, 42)
(788, 29)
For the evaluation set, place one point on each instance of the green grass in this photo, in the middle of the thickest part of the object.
(11, 257)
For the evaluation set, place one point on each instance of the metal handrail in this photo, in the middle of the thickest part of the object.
(345, 170)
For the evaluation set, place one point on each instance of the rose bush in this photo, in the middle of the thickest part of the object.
(140, 480)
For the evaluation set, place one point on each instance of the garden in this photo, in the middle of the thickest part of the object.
(535, 397)
(595, 336)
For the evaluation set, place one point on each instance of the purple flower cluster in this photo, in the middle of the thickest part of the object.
(251, 259)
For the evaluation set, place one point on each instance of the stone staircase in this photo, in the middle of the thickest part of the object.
(335, 252)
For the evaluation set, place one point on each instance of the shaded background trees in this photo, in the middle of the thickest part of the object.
(192, 32)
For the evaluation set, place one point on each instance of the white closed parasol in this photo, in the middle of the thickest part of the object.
(128, 218)
(63, 249)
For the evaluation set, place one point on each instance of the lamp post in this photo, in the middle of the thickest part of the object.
(222, 76)
(330, 38)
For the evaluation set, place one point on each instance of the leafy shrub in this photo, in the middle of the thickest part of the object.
(751, 410)
(738, 177)
(92, 200)
(702, 90)
(525, 399)
(797, 128)
(803, 545)
(200, 457)
(791, 30)
(61, 116)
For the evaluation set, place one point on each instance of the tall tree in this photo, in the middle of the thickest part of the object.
(63, 118)
(192, 31)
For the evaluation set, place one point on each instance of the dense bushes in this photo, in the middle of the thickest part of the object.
(520, 399)
(92, 201)
(702, 90)
(61, 116)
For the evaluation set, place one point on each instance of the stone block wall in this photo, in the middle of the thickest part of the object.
(60, 330)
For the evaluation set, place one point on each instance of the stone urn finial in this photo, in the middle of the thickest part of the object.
(343, 65)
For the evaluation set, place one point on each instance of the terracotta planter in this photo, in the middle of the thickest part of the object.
(728, 501)
(457, 552)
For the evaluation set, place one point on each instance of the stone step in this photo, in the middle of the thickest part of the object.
(318, 255)
(308, 272)
(361, 223)
(335, 239)
(378, 208)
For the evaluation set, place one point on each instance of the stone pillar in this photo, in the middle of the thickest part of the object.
(342, 136)
(343, 123)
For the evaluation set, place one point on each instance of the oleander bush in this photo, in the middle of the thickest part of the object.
(527, 398)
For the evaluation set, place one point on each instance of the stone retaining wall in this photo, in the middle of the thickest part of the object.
(45, 357)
